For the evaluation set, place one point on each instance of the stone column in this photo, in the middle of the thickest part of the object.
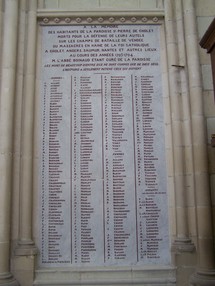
(182, 241)
(6, 134)
(25, 244)
(17, 121)
(189, 192)
(205, 274)
(1, 18)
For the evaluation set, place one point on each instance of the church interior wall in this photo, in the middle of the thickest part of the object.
(205, 15)
(27, 81)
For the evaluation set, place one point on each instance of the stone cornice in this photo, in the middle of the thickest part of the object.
(49, 17)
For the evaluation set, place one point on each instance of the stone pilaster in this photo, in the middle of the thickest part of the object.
(25, 244)
(187, 195)
(182, 241)
(1, 22)
(205, 273)
(8, 76)
(17, 121)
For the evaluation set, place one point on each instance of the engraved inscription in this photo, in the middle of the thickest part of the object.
(103, 198)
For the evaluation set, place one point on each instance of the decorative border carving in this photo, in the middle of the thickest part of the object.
(118, 19)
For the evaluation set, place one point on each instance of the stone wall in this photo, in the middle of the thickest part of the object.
(205, 15)
(101, 4)
(190, 122)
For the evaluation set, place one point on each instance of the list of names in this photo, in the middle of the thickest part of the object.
(103, 174)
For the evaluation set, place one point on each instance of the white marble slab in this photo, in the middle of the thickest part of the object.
(103, 172)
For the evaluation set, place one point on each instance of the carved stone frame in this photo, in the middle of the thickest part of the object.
(156, 274)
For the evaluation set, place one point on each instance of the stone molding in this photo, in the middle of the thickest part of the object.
(183, 245)
(27, 248)
(203, 278)
(112, 18)
(6, 279)
(157, 275)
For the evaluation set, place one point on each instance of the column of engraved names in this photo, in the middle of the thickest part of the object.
(86, 145)
(85, 185)
(151, 209)
(119, 203)
(44, 175)
(55, 193)
(75, 138)
(138, 155)
(120, 208)
(107, 161)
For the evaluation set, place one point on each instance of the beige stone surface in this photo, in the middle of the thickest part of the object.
(40, 4)
(205, 246)
(187, 139)
(204, 214)
(186, 266)
(17, 121)
(177, 133)
(202, 183)
(168, 136)
(78, 4)
(191, 214)
(180, 194)
(6, 128)
(175, 100)
(1, 24)
(207, 77)
(209, 103)
(172, 221)
(113, 277)
(145, 4)
(178, 161)
(4, 250)
(51, 4)
(23, 269)
(195, 103)
(185, 99)
(182, 224)
(205, 58)
(199, 134)
(189, 190)
(205, 8)
(103, 4)
(203, 24)
(120, 4)
(167, 111)
(170, 168)
(171, 192)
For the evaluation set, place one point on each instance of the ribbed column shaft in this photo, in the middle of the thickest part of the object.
(1, 22)
(8, 76)
(177, 131)
(189, 185)
(203, 200)
(18, 116)
(26, 183)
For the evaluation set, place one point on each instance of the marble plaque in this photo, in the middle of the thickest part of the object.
(103, 180)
